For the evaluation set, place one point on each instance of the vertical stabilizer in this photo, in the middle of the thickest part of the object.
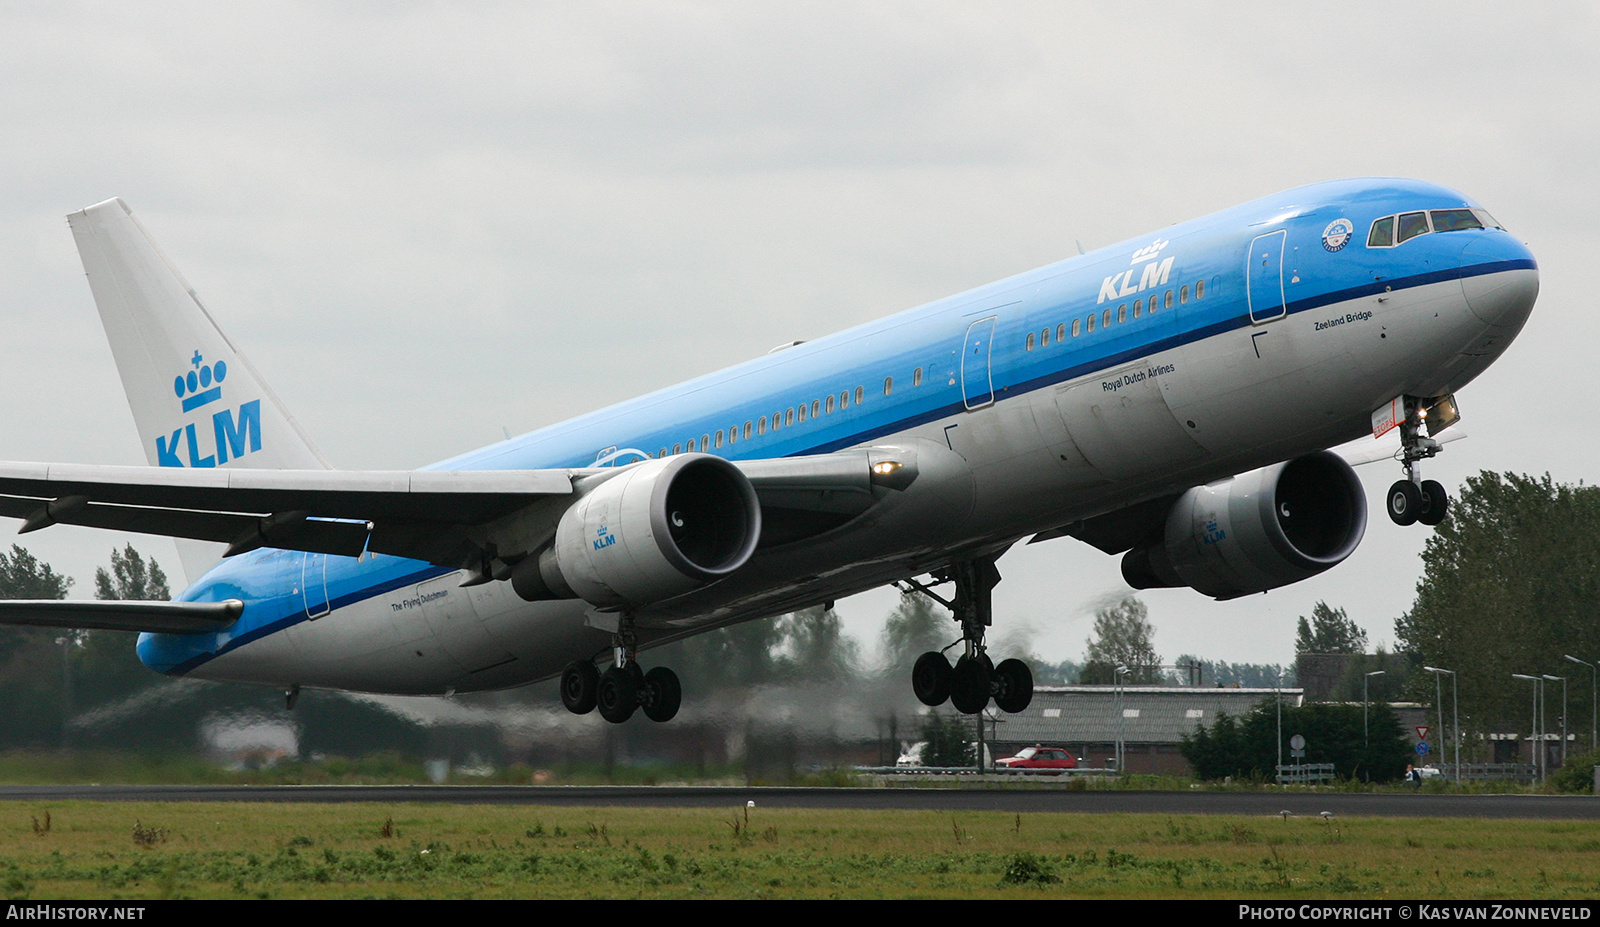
(196, 400)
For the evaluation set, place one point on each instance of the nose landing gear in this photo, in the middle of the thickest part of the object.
(1413, 499)
(974, 679)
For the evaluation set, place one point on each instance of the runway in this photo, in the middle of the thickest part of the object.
(1033, 800)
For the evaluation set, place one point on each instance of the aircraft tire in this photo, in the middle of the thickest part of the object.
(1405, 502)
(662, 694)
(969, 686)
(930, 679)
(618, 695)
(580, 687)
(1013, 686)
(1435, 502)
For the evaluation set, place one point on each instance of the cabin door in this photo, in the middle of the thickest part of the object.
(977, 386)
(1265, 276)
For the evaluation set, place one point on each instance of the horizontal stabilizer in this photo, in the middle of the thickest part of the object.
(156, 617)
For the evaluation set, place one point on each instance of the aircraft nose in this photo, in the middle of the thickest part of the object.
(1502, 281)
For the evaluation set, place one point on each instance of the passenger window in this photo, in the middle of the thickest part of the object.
(777, 420)
(888, 385)
(861, 393)
(1122, 313)
(1105, 319)
(1138, 308)
(747, 431)
(1382, 234)
(916, 378)
(788, 417)
(816, 408)
(1077, 326)
(1030, 342)
(1199, 289)
(677, 449)
(691, 446)
(733, 435)
(761, 425)
(844, 400)
(1166, 303)
(1183, 294)
(802, 411)
(1061, 332)
(663, 453)
(1412, 224)
(1089, 324)
(719, 437)
(1044, 338)
(829, 407)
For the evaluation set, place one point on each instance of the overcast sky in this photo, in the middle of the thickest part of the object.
(428, 224)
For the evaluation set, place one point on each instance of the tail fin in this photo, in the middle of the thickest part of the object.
(196, 400)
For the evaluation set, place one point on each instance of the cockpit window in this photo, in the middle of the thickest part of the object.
(1382, 234)
(1486, 219)
(1412, 224)
(1454, 220)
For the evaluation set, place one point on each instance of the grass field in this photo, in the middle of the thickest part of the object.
(84, 850)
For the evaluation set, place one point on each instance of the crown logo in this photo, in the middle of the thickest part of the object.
(202, 385)
(1148, 251)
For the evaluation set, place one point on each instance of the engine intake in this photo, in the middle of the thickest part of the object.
(1256, 531)
(657, 529)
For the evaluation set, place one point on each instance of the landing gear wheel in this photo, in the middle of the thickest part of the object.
(930, 679)
(661, 694)
(1435, 501)
(1013, 686)
(580, 687)
(618, 695)
(969, 686)
(1405, 502)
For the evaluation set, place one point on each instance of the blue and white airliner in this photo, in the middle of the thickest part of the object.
(1171, 399)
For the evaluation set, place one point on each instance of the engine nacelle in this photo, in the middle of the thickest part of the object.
(1256, 531)
(658, 529)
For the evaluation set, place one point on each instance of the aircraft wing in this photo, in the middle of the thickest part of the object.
(160, 617)
(433, 515)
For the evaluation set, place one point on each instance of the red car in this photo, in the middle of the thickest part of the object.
(1039, 757)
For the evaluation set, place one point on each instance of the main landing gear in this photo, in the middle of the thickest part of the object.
(622, 689)
(975, 679)
(1413, 499)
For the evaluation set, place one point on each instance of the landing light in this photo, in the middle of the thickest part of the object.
(885, 467)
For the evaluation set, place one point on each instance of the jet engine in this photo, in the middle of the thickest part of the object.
(657, 529)
(1256, 531)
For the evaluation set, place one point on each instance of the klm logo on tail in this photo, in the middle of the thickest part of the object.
(235, 435)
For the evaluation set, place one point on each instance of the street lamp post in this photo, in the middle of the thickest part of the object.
(1366, 736)
(1594, 702)
(1455, 712)
(1563, 714)
(1538, 685)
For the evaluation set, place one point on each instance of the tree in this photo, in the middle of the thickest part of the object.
(947, 741)
(916, 626)
(1247, 747)
(105, 666)
(33, 661)
(1509, 585)
(1245, 675)
(1330, 630)
(814, 646)
(1122, 637)
(23, 576)
(130, 578)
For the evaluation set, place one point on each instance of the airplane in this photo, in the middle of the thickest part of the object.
(1171, 398)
